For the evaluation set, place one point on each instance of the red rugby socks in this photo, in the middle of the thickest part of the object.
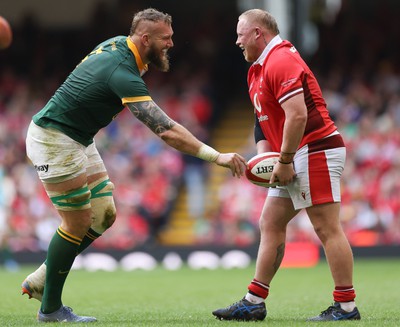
(345, 295)
(258, 291)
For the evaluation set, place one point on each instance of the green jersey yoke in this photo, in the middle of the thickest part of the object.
(96, 91)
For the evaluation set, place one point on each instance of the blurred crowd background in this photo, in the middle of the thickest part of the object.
(356, 62)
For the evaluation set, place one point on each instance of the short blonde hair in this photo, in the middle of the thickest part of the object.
(149, 14)
(262, 17)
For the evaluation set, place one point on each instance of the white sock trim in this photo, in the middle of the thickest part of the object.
(348, 306)
(253, 299)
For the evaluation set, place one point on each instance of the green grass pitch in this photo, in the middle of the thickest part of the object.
(186, 297)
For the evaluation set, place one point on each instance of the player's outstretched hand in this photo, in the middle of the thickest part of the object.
(235, 162)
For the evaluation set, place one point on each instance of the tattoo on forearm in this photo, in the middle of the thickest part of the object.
(152, 116)
(280, 251)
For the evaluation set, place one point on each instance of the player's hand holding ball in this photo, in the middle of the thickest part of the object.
(261, 170)
(5, 34)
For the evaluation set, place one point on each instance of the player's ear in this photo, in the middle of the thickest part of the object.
(145, 39)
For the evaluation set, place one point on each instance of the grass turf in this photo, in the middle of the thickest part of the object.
(186, 297)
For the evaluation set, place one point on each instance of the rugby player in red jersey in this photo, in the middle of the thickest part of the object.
(291, 117)
(61, 147)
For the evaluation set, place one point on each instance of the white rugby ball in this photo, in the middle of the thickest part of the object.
(260, 168)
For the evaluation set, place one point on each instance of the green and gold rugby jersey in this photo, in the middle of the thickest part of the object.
(96, 91)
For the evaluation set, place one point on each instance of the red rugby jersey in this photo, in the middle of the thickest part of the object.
(275, 77)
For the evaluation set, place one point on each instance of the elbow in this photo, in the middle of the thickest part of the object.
(301, 120)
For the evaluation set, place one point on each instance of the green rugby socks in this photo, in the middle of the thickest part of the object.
(60, 257)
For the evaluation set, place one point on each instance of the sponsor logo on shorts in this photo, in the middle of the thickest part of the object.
(44, 168)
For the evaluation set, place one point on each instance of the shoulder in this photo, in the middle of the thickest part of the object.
(119, 41)
(112, 57)
(283, 59)
(282, 53)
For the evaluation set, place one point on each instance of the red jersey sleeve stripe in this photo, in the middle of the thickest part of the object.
(290, 94)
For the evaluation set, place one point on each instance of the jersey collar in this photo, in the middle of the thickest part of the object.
(275, 41)
(142, 67)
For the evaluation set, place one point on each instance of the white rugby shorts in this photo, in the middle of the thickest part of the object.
(318, 176)
(56, 157)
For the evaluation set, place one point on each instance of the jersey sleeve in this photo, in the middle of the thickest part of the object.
(285, 77)
(128, 85)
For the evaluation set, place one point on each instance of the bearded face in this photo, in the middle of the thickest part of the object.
(159, 58)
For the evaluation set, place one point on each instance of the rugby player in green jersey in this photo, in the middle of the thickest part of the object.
(61, 147)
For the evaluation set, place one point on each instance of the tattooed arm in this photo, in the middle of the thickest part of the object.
(178, 137)
(172, 133)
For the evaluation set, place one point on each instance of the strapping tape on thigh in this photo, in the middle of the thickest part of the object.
(73, 200)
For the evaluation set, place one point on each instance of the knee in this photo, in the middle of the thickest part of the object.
(321, 233)
(325, 232)
(262, 225)
(270, 225)
(108, 217)
(104, 212)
